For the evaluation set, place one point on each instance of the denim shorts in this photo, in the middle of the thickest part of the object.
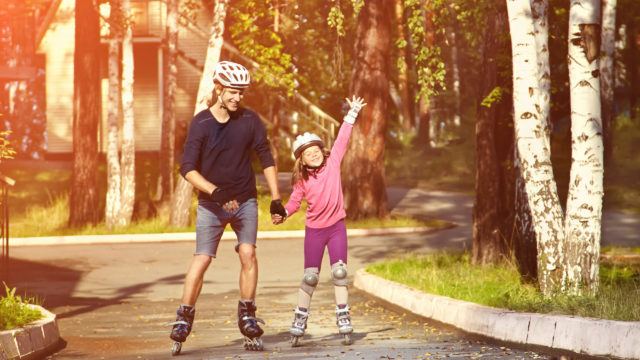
(212, 220)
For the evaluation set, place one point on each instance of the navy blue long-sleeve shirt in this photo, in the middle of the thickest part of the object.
(221, 152)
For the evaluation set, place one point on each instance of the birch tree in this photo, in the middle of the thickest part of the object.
(526, 247)
(113, 197)
(181, 199)
(533, 146)
(455, 67)
(86, 116)
(607, 72)
(584, 202)
(167, 141)
(127, 160)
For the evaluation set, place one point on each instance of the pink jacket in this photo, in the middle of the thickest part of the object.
(323, 189)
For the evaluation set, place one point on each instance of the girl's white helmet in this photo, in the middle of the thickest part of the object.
(230, 74)
(304, 141)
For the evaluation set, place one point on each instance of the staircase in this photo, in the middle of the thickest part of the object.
(300, 114)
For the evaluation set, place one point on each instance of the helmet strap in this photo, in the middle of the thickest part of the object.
(222, 105)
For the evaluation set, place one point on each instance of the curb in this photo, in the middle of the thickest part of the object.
(191, 236)
(33, 341)
(580, 335)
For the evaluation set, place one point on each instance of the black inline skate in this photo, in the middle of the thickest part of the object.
(181, 327)
(248, 324)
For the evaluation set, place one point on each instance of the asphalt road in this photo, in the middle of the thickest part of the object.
(114, 301)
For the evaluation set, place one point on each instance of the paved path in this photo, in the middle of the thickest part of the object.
(113, 301)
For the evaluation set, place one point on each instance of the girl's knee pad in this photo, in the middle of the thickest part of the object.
(339, 273)
(310, 280)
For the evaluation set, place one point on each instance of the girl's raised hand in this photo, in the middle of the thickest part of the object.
(355, 104)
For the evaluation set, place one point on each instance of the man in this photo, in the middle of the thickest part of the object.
(217, 162)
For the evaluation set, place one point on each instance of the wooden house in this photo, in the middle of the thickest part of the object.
(56, 44)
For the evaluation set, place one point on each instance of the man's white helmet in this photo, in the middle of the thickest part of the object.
(230, 74)
(304, 141)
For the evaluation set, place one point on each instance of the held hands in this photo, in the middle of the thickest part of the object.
(355, 104)
(278, 212)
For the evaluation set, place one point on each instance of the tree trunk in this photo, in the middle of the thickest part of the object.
(489, 244)
(181, 199)
(86, 116)
(167, 142)
(406, 102)
(607, 73)
(534, 150)
(525, 237)
(455, 69)
(365, 194)
(113, 201)
(127, 159)
(584, 201)
(631, 64)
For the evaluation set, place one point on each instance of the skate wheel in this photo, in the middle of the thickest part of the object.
(294, 341)
(347, 339)
(254, 344)
(175, 349)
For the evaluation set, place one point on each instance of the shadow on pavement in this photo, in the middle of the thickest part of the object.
(53, 285)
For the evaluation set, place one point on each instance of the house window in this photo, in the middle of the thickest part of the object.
(140, 13)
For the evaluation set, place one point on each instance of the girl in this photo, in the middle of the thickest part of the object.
(316, 177)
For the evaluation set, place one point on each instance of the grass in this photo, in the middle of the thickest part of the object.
(39, 206)
(15, 311)
(51, 220)
(453, 275)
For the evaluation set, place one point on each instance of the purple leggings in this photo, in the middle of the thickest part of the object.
(334, 237)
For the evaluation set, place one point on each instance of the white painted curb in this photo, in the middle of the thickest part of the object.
(581, 335)
(191, 236)
(33, 341)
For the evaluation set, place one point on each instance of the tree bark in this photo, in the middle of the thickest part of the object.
(534, 150)
(86, 115)
(631, 66)
(490, 240)
(584, 201)
(127, 159)
(113, 197)
(406, 102)
(365, 194)
(167, 142)
(525, 238)
(181, 199)
(607, 73)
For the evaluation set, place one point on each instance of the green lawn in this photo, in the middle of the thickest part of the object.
(39, 205)
(453, 275)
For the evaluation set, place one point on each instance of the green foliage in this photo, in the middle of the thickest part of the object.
(6, 151)
(335, 20)
(426, 53)
(253, 34)
(500, 286)
(357, 6)
(495, 96)
(14, 310)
